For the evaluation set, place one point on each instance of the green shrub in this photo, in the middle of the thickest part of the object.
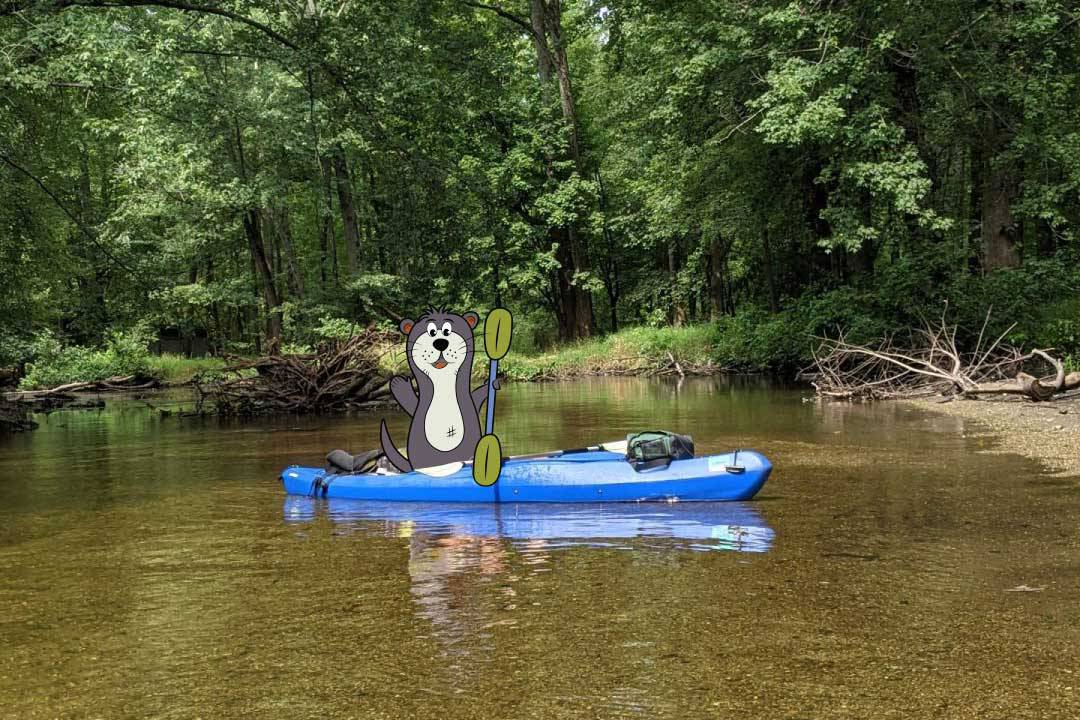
(14, 348)
(125, 353)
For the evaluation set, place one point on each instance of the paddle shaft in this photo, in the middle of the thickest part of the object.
(493, 370)
(487, 459)
(557, 453)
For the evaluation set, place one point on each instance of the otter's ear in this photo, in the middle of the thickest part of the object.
(471, 318)
(406, 326)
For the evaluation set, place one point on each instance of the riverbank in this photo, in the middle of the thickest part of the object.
(81, 366)
(638, 351)
(1046, 432)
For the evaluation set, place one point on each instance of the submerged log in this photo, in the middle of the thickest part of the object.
(338, 376)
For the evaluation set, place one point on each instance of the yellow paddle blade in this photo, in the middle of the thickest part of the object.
(487, 463)
(497, 331)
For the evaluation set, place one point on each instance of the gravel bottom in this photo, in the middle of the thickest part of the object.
(1046, 432)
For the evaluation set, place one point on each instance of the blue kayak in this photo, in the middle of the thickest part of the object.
(586, 477)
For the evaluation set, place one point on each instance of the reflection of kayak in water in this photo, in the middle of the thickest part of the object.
(725, 526)
(588, 477)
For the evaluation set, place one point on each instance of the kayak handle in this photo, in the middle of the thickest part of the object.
(734, 468)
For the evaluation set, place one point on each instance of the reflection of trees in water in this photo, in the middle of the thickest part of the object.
(882, 418)
(461, 583)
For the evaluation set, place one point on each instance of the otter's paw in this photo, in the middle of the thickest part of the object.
(400, 383)
(496, 384)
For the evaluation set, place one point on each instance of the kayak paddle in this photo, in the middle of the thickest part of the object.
(487, 460)
(615, 446)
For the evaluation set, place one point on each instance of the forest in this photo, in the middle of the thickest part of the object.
(257, 175)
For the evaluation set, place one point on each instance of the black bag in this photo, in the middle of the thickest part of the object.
(656, 448)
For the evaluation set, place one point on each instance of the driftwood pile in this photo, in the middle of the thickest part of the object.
(932, 363)
(340, 375)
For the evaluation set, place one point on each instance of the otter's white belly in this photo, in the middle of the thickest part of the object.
(443, 425)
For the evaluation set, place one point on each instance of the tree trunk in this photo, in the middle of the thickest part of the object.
(327, 239)
(574, 303)
(271, 235)
(611, 258)
(253, 232)
(906, 83)
(569, 308)
(815, 201)
(537, 13)
(348, 208)
(678, 306)
(371, 218)
(770, 271)
(998, 229)
(284, 229)
(717, 262)
(562, 70)
(257, 250)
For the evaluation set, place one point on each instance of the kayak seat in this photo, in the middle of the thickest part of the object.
(339, 462)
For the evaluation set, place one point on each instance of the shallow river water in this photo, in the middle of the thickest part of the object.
(152, 567)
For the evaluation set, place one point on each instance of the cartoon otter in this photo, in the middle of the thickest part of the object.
(445, 417)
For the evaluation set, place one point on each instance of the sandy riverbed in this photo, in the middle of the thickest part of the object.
(1047, 432)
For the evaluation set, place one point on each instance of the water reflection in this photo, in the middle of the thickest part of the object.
(690, 526)
(475, 570)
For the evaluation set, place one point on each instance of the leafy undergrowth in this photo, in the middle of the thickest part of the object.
(124, 354)
(634, 351)
(179, 370)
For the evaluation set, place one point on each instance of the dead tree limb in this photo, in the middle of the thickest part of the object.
(933, 363)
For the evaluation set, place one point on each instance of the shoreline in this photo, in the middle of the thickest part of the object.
(1048, 433)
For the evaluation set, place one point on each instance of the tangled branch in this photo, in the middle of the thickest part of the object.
(934, 364)
(338, 376)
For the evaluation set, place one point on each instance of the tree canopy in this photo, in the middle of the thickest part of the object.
(251, 171)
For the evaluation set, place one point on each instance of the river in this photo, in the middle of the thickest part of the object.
(152, 567)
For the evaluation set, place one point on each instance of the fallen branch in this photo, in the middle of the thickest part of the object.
(118, 383)
(933, 363)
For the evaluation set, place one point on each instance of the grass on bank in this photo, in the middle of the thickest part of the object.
(178, 370)
(633, 351)
(95, 366)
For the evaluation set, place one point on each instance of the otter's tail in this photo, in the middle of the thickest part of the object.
(392, 453)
